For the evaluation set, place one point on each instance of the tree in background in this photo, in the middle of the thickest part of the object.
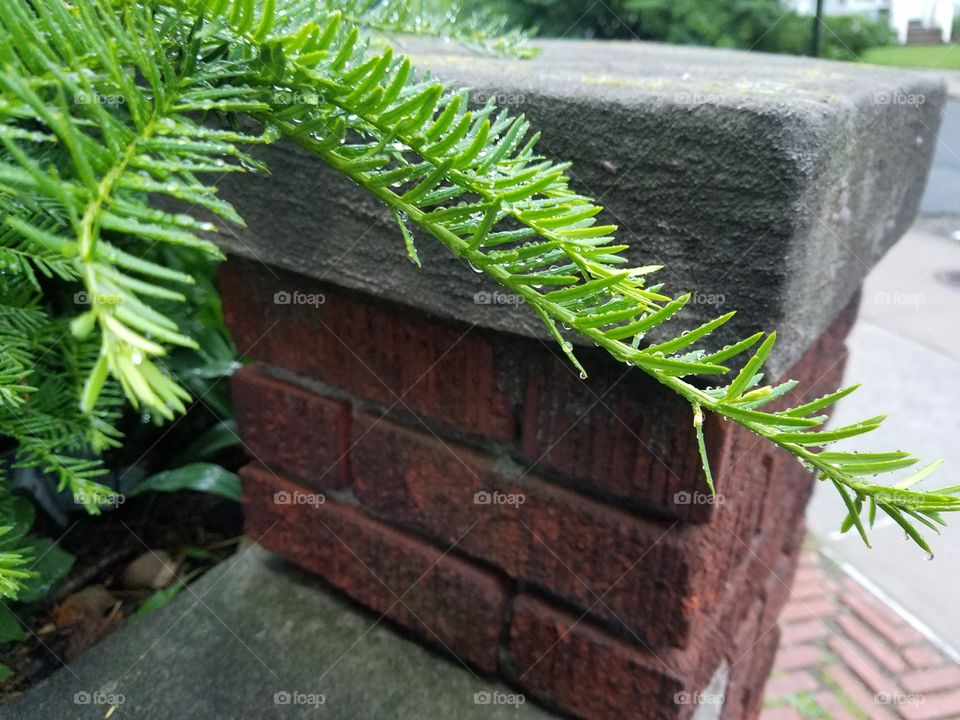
(762, 25)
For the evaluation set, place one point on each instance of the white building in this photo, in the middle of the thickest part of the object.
(914, 16)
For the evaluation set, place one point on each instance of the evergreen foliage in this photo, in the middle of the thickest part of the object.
(113, 110)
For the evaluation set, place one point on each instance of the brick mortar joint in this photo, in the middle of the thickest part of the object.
(507, 458)
(519, 587)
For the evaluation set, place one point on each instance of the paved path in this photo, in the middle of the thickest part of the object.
(853, 653)
(906, 351)
(845, 655)
(942, 196)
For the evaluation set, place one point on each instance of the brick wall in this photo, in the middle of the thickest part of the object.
(471, 488)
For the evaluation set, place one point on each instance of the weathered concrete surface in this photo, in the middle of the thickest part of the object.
(770, 184)
(250, 629)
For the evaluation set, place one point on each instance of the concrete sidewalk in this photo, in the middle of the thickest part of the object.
(257, 638)
(905, 350)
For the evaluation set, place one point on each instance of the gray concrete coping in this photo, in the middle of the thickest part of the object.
(768, 184)
(257, 638)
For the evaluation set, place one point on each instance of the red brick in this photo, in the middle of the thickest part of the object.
(923, 656)
(575, 666)
(805, 631)
(775, 581)
(862, 666)
(643, 453)
(811, 576)
(864, 699)
(809, 591)
(785, 712)
(861, 635)
(930, 707)
(749, 665)
(834, 707)
(767, 499)
(291, 430)
(396, 356)
(571, 663)
(928, 681)
(749, 685)
(878, 616)
(622, 433)
(653, 576)
(792, 683)
(798, 656)
(807, 609)
(446, 601)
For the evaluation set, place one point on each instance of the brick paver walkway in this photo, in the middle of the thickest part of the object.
(845, 655)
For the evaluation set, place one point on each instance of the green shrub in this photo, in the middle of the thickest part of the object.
(763, 25)
(112, 109)
(842, 37)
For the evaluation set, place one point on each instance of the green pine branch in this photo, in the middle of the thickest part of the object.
(483, 32)
(470, 177)
(473, 180)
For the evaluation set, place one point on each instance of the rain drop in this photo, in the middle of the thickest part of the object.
(583, 376)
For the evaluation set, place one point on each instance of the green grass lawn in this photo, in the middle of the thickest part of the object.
(940, 57)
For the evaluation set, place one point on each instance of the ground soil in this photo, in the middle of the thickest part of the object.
(90, 602)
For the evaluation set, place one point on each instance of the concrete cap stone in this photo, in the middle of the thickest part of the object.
(763, 183)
